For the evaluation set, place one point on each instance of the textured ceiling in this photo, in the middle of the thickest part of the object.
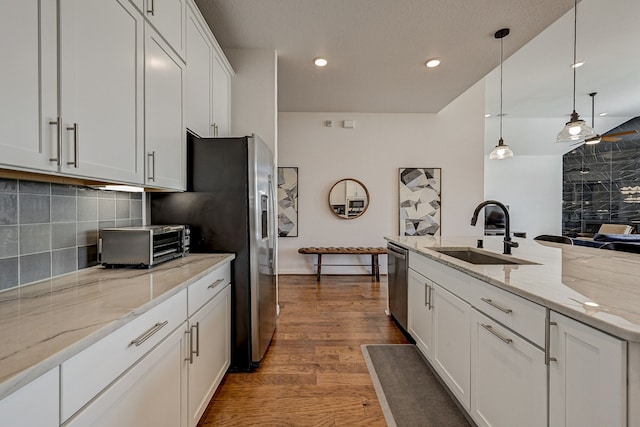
(377, 48)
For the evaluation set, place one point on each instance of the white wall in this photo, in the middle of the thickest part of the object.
(254, 99)
(532, 187)
(372, 152)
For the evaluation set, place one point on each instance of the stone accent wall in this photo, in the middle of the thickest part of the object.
(601, 183)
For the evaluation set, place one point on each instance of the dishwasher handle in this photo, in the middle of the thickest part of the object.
(391, 250)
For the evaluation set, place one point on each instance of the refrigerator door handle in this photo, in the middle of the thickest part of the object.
(272, 225)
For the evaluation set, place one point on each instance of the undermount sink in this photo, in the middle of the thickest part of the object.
(480, 257)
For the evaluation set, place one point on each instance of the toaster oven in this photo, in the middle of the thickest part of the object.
(142, 246)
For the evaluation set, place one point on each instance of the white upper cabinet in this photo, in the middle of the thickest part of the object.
(168, 18)
(221, 97)
(28, 98)
(208, 79)
(165, 135)
(199, 63)
(101, 89)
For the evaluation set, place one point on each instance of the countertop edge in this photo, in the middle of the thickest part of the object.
(632, 335)
(13, 383)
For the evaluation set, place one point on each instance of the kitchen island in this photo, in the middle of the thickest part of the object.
(494, 332)
(51, 325)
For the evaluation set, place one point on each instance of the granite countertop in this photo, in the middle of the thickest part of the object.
(595, 286)
(45, 323)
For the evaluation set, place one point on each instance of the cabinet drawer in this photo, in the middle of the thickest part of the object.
(84, 375)
(522, 316)
(452, 280)
(206, 288)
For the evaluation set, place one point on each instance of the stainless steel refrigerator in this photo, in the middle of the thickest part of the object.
(230, 207)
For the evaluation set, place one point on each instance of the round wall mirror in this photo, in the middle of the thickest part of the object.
(348, 198)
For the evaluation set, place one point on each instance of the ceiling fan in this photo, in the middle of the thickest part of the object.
(612, 137)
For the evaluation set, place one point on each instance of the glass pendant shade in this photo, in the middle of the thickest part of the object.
(575, 130)
(501, 151)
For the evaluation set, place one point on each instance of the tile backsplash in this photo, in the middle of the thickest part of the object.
(50, 229)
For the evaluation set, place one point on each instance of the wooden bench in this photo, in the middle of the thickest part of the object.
(374, 252)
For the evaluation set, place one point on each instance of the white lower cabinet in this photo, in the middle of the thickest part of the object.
(209, 353)
(508, 377)
(148, 395)
(420, 313)
(451, 343)
(588, 378)
(488, 346)
(36, 404)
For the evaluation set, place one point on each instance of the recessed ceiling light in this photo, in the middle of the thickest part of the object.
(577, 64)
(320, 62)
(603, 114)
(487, 115)
(433, 62)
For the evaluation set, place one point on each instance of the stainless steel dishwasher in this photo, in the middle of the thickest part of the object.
(397, 276)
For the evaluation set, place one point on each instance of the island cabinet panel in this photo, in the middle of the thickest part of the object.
(149, 395)
(451, 343)
(36, 404)
(420, 312)
(28, 85)
(508, 377)
(101, 89)
(522, 316)
(587, 376)
(210, 351)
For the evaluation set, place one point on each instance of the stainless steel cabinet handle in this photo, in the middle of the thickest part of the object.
(148, 333)
(490, 329)
(193, 337)
(152, 176)
(499, 307)
(152, 11)
(430, 297)
(547, 340)
(74, 129)
(214, 284)
(190, 333)
(426, 294)
(57, 123)
(197, 326)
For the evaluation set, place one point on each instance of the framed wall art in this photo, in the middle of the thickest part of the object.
(419, 202)
(287, 202)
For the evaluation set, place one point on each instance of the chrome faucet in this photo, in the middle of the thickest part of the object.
(508, 244)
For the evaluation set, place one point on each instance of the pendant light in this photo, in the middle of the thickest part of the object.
(576, 129)
(501, 151)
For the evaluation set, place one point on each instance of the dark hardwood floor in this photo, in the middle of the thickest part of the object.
(314, 373)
